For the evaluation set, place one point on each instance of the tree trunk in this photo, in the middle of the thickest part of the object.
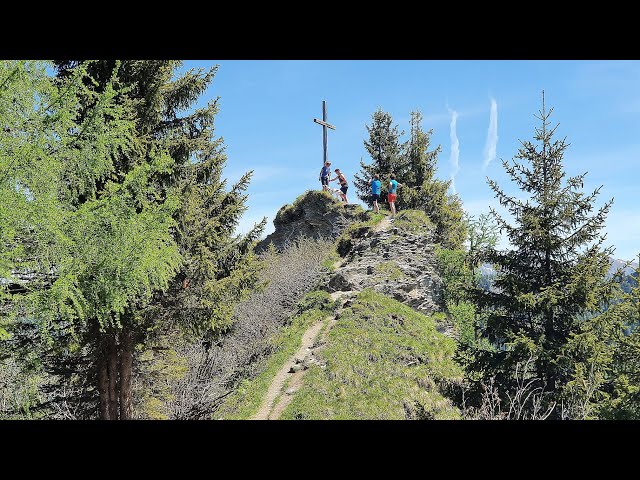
(103, 380)
(112, 371)
(126, 365)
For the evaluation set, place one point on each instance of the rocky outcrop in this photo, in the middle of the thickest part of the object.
(394, 262)
(315, 214)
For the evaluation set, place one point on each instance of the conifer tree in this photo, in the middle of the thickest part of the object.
(384, 149)
(423, 191)
(151, 242)
(604, 358)
(553, 275)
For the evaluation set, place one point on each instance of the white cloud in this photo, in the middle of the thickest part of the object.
(455, 149)
(492, 135)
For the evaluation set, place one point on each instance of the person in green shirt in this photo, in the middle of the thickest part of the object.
(392, 195)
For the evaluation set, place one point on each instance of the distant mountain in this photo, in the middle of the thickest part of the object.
(487, 273)
(617, 264)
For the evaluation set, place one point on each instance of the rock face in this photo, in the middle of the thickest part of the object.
(396, 263)
(314, 214)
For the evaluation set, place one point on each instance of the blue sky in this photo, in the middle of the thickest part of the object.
(476, 109)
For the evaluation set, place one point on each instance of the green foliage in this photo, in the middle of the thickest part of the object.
(159, 364)
(421, 190)
(604, 357)
(552, 277)
(19, 390)
(39, 141)
(316, 300)
(389, 270)
(457, 278)
(415, 166)
(329, 263)
(291, 212)
(463, 314)
(419, 163)
(384, 149)
(114, 218)
(383, 361)
(483, 234)
(456, 275)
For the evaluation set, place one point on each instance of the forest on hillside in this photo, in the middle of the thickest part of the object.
(126, 293)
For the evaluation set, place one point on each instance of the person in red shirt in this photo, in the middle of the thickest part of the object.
(392, 195)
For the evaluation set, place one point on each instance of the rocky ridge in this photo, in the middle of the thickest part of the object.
(393, 262)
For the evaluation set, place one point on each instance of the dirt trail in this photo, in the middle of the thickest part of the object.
(384, 224)
(277, 398)
(308, 339)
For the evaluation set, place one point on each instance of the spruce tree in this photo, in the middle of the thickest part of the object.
(420, 163)
(384, 148)
(421, 189)
(551, 277)
(604, 358)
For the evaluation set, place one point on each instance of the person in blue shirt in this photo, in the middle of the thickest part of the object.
(325, 172)
(392, 195)
(376, 186)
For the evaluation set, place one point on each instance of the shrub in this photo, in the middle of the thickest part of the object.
(217, 365)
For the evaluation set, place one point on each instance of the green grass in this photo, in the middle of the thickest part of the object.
(289, 212)
(389, 270)
(384, 361)
(245, 401)
(413, 221)
(329, 262)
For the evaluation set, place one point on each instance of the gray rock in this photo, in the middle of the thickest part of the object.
(312, 215)
(408, 274)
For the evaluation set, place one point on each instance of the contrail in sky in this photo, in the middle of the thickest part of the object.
(455, 148)
(492, 136)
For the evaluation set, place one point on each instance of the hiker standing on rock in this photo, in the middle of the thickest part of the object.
(391, 197)
(376, 186)
(344, 186)
(325, 172)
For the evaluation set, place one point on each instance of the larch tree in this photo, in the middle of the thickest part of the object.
(553, 275)
(152, 238)
(43, 234)
(384, 149)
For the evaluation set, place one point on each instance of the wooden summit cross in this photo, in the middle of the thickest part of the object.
(325, 125)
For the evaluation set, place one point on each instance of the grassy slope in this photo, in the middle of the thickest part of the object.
(245, 401)
(384, 361)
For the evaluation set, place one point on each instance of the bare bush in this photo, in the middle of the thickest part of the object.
(525, 402)
(214, 370)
